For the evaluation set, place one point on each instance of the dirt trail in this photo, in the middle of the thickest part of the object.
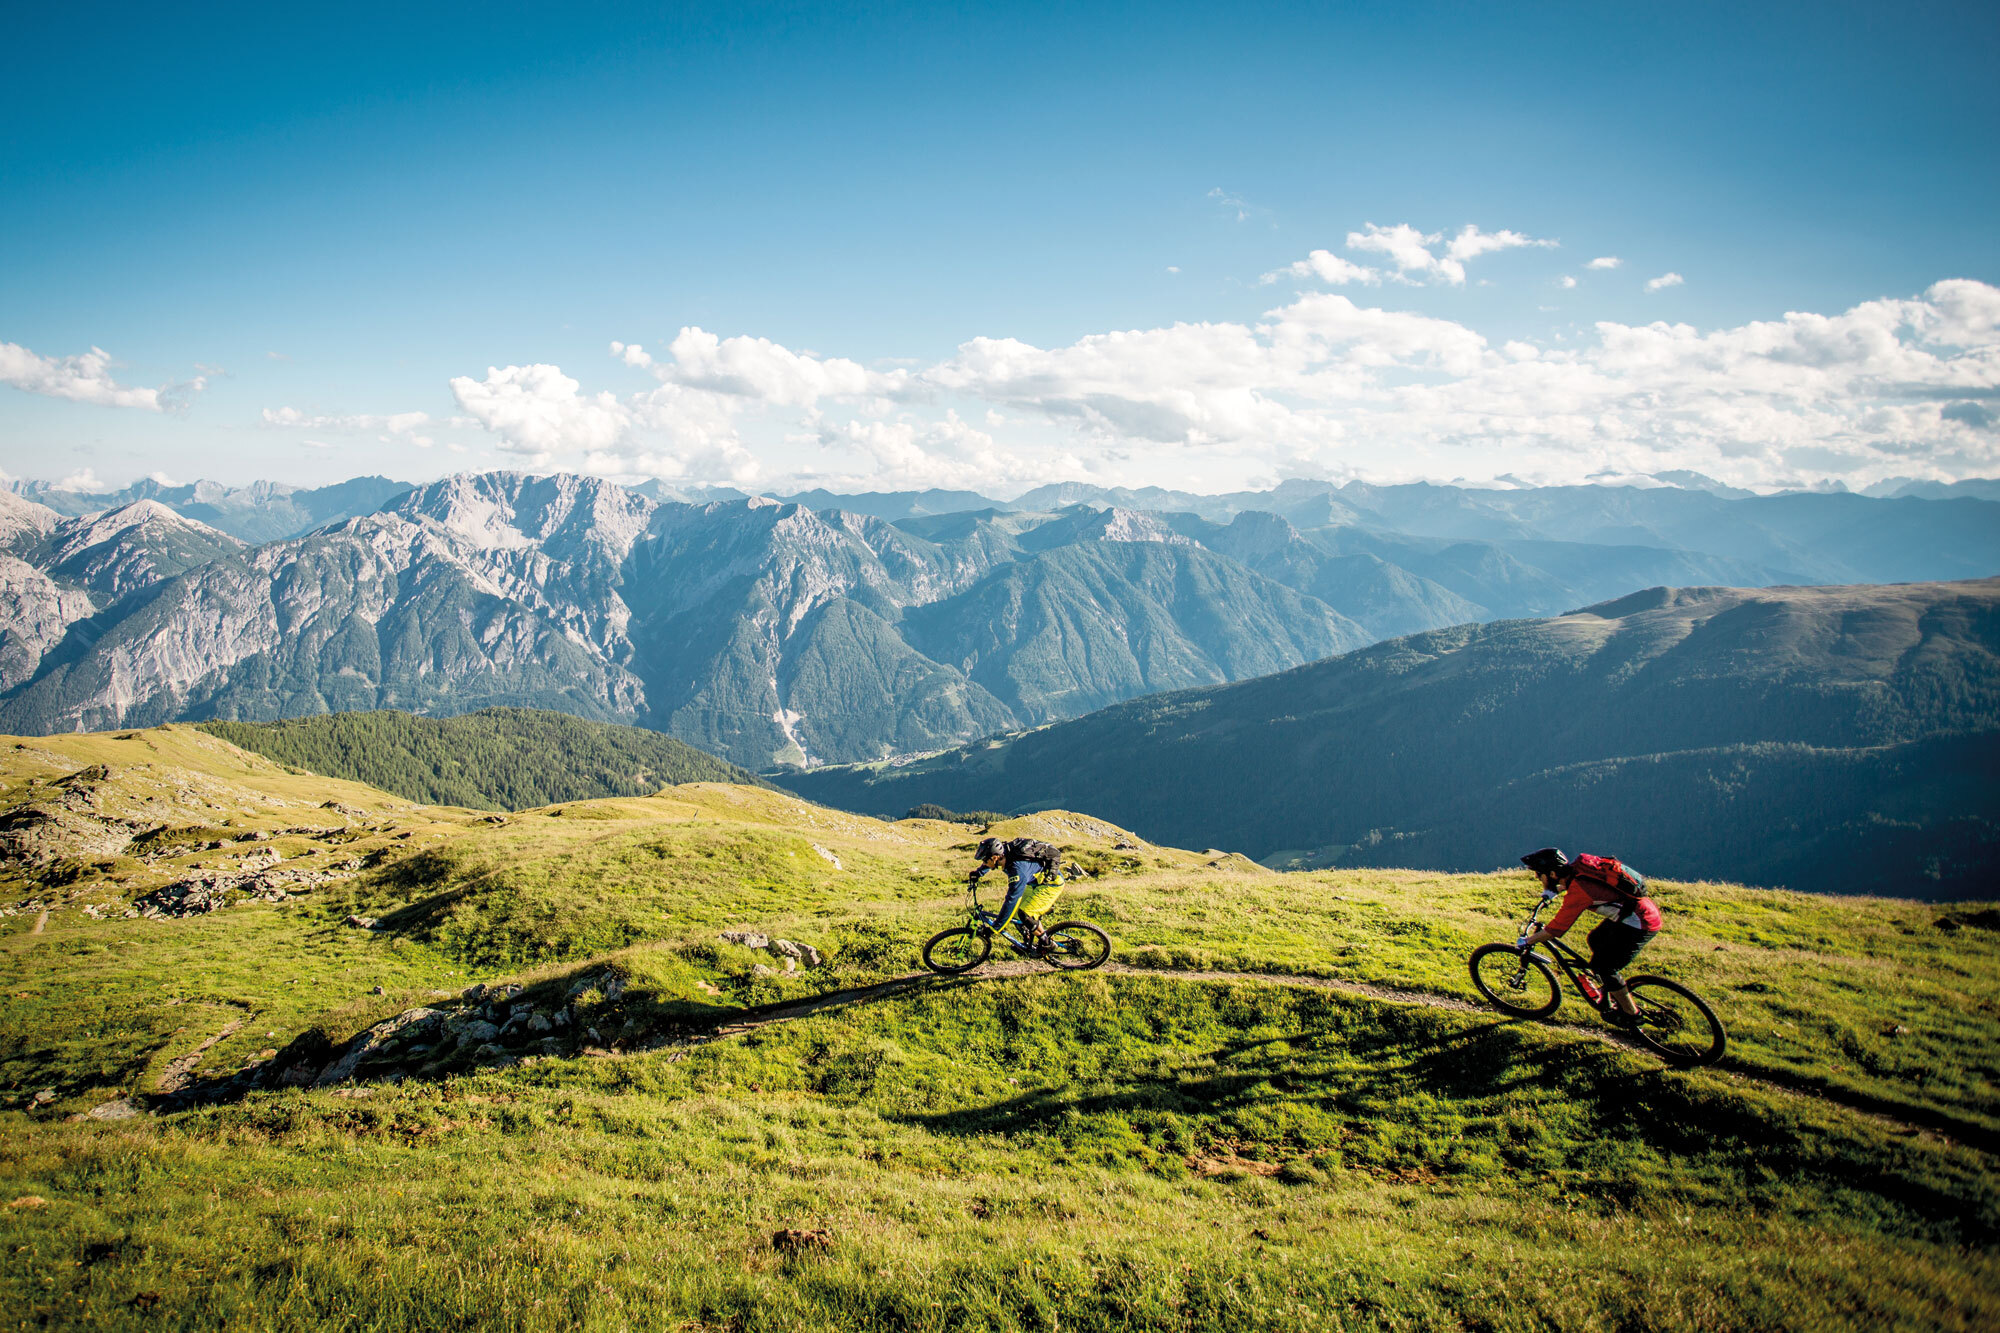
(1895, 1117)
(40, 922)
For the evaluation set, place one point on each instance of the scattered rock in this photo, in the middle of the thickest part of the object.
(341, 808)
(122, 1109)
(473, 993)
(789, 949)
(1124, 845)
(794, 1242)
(41, 836)
(749, 939)
(44, 1097)
(763, 970)
(361, 922)
(407, 1023)
(29, 1201)
(478, 1030)
(828, 856)
(378, 991)
(791, 966)
(540, 1023)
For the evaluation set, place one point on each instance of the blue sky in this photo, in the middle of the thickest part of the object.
(991, 246)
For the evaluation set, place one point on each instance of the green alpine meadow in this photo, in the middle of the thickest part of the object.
(286, 1051)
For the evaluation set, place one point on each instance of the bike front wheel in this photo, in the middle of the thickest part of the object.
(1516, 983)
(1076, 946)
(950, 952)
(1676, 1023)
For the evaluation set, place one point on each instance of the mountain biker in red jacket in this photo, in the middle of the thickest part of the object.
(1602, 885)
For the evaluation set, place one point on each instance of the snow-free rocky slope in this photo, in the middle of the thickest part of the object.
(758, 631)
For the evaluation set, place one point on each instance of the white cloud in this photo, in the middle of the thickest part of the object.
(1407, 248)
(1319, 385)
(1243, 208)
(1605, 261)
(632, 354)
(1173, 268)
(1470, 243)
(1566, 280)
(536, 410)
(397, 423)
(761, 369)
(85, 379)
(83, 480)
(1664, 280)
(948, 453)
(1328, 267)
(1412, 252)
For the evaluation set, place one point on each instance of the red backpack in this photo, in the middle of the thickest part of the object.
(1613, 874)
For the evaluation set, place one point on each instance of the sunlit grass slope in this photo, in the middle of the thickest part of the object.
(1098, 1151)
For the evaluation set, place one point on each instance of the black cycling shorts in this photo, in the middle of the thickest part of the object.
(1612, 949)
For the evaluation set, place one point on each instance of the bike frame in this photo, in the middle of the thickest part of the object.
(1573, 964)
(976, 917)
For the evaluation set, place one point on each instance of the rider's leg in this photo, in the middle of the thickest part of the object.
(1613, 946)
(1024, 876)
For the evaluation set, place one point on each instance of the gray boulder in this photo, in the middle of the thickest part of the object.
(749, 939)
(477, 1031)
(805, 953)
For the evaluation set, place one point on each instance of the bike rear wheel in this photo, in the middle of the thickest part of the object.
(1076, 946)
(1676, 1023)
(950, 952)
(1514, 982)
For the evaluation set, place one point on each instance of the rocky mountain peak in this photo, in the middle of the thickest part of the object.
(23, 519)
(149, 518)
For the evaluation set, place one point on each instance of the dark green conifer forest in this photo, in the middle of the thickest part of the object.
(494, 759)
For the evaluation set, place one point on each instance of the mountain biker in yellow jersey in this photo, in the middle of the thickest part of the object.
(1603, 885)
(1024, 859)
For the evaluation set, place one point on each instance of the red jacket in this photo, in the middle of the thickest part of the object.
(1591, 895)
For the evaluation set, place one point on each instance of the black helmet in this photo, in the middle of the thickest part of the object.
(990, 848)
(1545, 861)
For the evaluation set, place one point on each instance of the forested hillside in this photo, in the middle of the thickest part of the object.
(495, 759)
(1845, 739)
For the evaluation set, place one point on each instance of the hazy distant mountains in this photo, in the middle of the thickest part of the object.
(260, 512)
(1843, 738)
(785, 633)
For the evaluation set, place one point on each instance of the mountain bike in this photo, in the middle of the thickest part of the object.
(1673, 1021)
(1075, 946)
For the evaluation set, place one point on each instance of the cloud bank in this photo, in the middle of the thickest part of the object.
(86, 379)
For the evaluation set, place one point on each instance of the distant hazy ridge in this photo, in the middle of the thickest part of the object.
(1841, 738)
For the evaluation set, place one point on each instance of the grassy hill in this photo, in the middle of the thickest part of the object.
(494, 759)
(1843, 739)
(1162, 1148)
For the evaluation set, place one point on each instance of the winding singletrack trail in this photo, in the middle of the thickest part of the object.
(41, 923)
(1893, 1116)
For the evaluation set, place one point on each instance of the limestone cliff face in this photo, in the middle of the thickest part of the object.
(761, 631)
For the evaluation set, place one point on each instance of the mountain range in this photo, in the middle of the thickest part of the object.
(1839, 738)
(783, 633)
